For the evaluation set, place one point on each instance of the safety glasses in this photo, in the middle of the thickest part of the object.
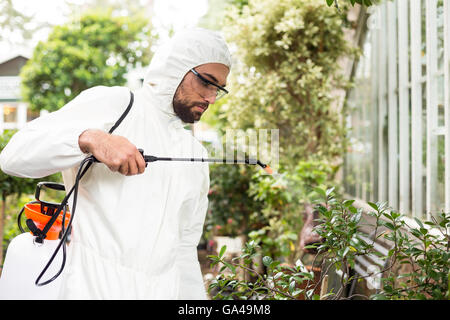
(210, 86)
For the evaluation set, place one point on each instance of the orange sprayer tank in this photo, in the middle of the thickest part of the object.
(25, 259)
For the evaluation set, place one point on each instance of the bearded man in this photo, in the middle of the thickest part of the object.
(136, 229)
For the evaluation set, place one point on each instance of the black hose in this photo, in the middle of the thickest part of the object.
(62, 242)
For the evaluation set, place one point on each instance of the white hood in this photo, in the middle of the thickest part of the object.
(173, 60)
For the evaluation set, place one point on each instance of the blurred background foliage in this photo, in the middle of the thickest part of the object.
(287, 69)
(96, 49)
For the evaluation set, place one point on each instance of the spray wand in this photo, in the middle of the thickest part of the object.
(149, 158)
(268, 169)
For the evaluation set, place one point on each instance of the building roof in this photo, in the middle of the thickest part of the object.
(12, 66)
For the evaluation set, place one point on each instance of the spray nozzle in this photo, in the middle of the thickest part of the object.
(265, 167)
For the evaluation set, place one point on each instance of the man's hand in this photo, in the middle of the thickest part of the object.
(114, 151)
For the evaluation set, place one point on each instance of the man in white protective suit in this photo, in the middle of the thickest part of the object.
(136, 229)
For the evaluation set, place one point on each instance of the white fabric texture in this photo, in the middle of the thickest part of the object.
(134, 237)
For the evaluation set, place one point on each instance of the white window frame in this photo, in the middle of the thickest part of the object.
(447, 101)
(398, 171)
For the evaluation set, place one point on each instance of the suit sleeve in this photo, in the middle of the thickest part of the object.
(49, 144)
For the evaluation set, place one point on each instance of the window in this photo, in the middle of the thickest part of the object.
(9, 112)
(399, 113)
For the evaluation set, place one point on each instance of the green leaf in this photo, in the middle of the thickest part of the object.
(274, 264)
(395, 215)
(321, 192)
(292, 286)
(329, 191)
(348, 203)
(230, 266)
(346, 250)
(267, 261)
(222, 251)
(419, 222)
(297, 292)
(373, 205)
(387, 225)
(278, 275)
(416, 233)
(330, 2)
(357, 217)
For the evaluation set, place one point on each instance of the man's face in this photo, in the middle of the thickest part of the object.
(193, 95)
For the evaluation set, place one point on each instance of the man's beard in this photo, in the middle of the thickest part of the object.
(183, 109)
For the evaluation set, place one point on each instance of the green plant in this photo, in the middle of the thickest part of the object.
(339, 229)
(280, 282)
(417, 264)
(426, 250)
(281, 215)
(424, 255)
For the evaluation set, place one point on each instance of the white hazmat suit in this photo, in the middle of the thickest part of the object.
(134, 237)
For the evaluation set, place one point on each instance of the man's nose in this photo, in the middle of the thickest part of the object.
(210, 97)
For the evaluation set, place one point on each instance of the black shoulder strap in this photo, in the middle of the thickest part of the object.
(124, 114)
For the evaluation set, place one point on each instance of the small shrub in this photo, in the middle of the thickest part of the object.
(424, 248)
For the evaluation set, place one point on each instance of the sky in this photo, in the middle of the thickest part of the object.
(176, 14)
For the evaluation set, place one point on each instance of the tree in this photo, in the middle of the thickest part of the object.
(288, 53)
(10, 185)
(96, 49)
